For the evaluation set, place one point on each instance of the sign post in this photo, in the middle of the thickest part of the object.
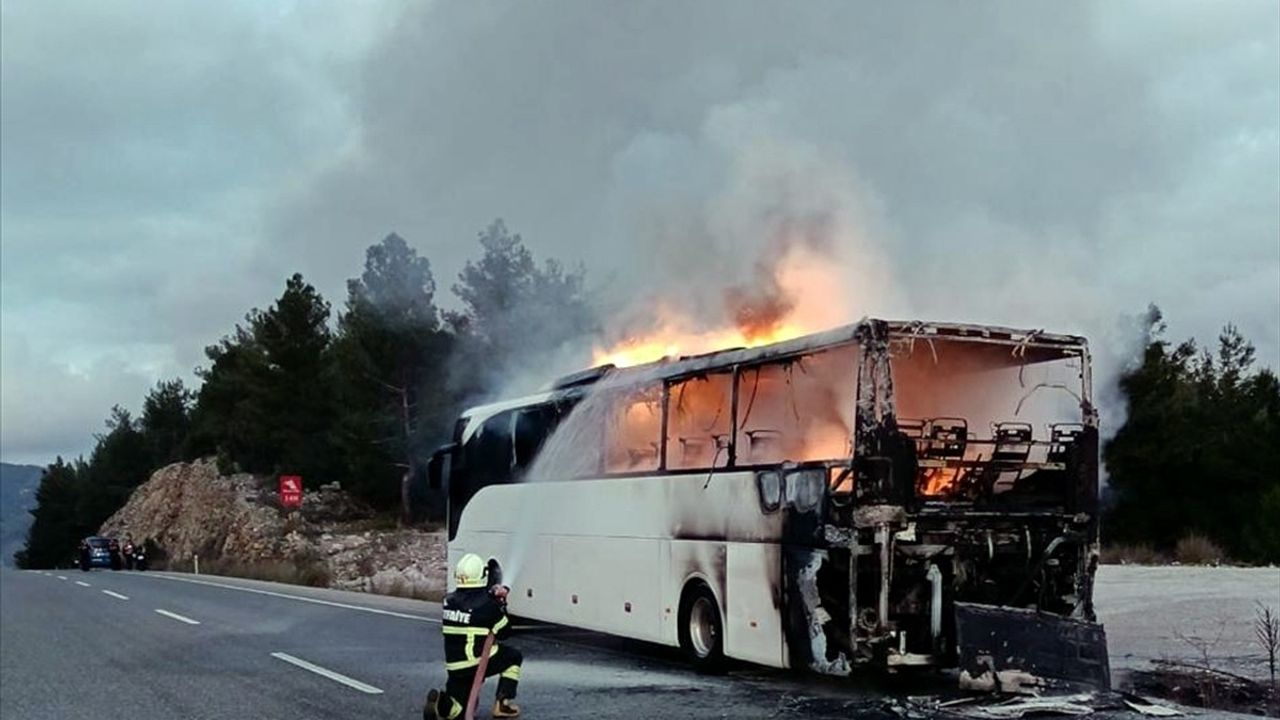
(291, 491)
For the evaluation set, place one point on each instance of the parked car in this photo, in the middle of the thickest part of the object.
(98, 551)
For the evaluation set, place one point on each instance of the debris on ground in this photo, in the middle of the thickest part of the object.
(1004, 707)
(1206, 687)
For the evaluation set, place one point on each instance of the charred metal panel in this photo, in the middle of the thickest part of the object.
(1016, 649)
(884, 458)
(804, 494)
(1082, 467)
(813, 631)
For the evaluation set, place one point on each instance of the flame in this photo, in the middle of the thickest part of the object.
(939, 481)
(802, 293)
(676, 343)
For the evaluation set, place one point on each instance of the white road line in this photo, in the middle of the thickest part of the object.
(62, 577)
(116, 595)
(299, 598)
(82, 583)
(177, 617)
(324, 672)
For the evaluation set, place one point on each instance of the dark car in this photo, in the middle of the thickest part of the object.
(99, 552)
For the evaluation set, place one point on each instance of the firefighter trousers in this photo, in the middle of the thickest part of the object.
(505, 663)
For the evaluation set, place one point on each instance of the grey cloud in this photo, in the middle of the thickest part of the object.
(1048, 164)
(142, 143)
(1042, 164)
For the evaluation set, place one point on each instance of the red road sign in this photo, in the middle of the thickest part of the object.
(291, 491)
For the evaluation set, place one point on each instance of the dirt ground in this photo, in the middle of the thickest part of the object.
(1188, 614)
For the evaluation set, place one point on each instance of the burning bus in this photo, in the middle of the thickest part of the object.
(886, 493)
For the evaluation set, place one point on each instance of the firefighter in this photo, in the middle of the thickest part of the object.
(476, 608)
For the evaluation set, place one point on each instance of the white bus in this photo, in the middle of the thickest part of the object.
(819, 503)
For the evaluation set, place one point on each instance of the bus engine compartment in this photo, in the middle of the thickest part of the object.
(964, 531)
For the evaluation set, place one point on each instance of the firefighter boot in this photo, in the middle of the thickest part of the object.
(504, 708)
(430, 709)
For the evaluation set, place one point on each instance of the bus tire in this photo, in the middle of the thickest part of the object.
(701, 628)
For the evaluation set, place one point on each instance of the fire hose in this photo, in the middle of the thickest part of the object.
(478, 681)
(494, 573)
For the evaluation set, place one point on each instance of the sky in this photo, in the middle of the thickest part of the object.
(165, 166)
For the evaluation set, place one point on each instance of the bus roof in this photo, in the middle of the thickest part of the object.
(1056, 345)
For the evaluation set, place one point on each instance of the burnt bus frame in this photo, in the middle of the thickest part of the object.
(817, 531)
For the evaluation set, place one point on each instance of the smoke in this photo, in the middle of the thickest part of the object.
(1042, 165)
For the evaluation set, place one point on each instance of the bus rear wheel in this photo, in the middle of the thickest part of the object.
(701, 629)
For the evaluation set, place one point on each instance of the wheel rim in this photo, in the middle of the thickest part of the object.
(702, 627)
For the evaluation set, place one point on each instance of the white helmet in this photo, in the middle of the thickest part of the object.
(469, 572)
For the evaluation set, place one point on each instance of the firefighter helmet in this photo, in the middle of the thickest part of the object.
(469, 572)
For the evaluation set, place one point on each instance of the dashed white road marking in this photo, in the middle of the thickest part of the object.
(176, 616)
(325, 672)
(62, 577)
(82, 583)
(116, 595)
(299, 598)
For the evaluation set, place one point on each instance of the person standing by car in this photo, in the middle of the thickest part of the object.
(128, 551)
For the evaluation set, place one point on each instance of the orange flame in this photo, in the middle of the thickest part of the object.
(804, 294)
(674, 343)
(939, 481)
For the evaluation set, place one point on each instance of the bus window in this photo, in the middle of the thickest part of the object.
(533, 427)
(700, 422)
(489, 453)
(633, 431)
(798, 410)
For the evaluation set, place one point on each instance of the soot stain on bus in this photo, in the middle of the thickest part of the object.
(897, 494)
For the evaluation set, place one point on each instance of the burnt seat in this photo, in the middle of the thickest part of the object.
(1013, 443)
(946, 438)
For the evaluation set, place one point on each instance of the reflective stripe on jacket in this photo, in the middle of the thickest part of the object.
(468, 615)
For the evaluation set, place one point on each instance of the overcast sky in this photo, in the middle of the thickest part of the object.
(164, 166)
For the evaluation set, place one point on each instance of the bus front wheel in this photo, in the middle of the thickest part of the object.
(701, 630)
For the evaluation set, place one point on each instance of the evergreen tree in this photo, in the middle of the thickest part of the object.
(120, 462)
(515, 313)
(55, 529)
(1199, 449)
(266, 403)
(390, 357)
(166, 422)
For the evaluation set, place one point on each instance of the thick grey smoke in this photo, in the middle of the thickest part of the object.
(1054, 165)
(1038, 164)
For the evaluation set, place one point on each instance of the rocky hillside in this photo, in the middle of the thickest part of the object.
(234, 524)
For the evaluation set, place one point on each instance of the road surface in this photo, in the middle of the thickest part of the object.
(158, 645)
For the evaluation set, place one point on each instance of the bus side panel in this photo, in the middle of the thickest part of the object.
(753, 621)
(695, 561)
(607, 584)
(529, 572)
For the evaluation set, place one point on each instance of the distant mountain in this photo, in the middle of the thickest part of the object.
(18, 485)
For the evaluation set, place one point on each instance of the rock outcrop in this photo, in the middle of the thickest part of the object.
(234, 521)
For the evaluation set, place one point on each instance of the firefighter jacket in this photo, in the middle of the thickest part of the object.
(468, 615)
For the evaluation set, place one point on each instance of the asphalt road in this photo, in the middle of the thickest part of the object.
(157, 645)
(96, 645)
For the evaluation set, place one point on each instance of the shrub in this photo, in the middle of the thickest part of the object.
(302, 570)
(1132, 555)
(1195, 549)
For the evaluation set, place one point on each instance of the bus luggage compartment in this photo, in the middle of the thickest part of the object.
(1023, 650)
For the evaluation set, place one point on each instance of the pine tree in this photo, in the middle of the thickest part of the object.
(391, 354)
